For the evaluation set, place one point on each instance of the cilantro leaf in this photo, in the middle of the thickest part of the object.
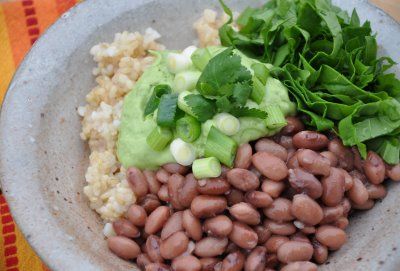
(223, 104)
(202, 108)
(154, 100)
(221, 74)
(248, 112)
(241, 92)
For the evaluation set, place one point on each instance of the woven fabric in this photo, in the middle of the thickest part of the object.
(21, 23)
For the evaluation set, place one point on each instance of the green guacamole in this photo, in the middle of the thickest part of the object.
(132, 148)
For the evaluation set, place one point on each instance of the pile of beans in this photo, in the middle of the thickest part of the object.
(284, 206)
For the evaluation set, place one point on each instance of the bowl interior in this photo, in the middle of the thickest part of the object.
(43, 159)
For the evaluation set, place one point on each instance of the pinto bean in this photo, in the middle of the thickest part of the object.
(243, 156)
(153, 249)
(294, 125)
(149, 203)
(333, 187)
(376, 191)
(157, 219)
(207, 206)
(284, 228)
(341, 223)
(233, 261)
(137, 215)
(162, 175)
(243, 179)
(157, 267)
(331, 157)
(300, 266)
(345, 156)
(365, 206)
(313, 162)
(272, 188)
(270, 166)
(286, 142)
(348, 180)
(274, 242)
(263, 233)
(374, 168)
(243, 236)
(175, 168)
(258, 199)
(123, 247)
(331, 214)
(293, 162)
(213, 186)
(186, 263)
(306, 210)
(279, 210)
(234, 196)
(269, 146)
(124, 227)
(393, 172)
(153, 184)
(245, 213)
(174, 245)
(210, 247)
(331, 236)
(320, 252)
(137, 182)
(292, 251)
(163, 193)
(192, 225)
(256, 260)
(358, 193)
(175, 184)
(219, 226)
(188, 191)
(310, 140)
(207, 264)
(304, 182)
(299, 236)
(142, 260)
(173, 224)
(345, 203)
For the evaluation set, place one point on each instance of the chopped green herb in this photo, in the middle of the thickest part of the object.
(167, 110)
(154, 101)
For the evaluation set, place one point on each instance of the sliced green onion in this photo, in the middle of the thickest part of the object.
(178, 62)
(261, 72)
(154, 100)
(188, 51)
(201, 57)
(186, 80)
(167, 110)
(188, 128)
(184, 153)
(227, 123)
(258, 92)
(159, 138)
(206, 168)
(182, 104)
(276, 118)
(220, 146)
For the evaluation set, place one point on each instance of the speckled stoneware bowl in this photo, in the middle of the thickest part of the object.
(43, 160)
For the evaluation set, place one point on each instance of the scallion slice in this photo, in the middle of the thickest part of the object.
(183, 152)
(186, 80)
(220, 146)
(258, 92)
(227, 123)
(188, 128)
(178, 62)
(206, 168)
(275, 118)
(159, 138)
(200, 58)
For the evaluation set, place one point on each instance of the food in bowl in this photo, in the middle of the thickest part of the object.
(246, 155)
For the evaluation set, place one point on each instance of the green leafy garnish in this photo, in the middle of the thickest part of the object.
(329, 62)
(248, 112)
(154, 100)
(167, 113)
(202, 108)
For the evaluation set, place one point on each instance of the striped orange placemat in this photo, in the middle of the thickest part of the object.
(21, 23)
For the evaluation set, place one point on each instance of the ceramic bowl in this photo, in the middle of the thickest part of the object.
(43, 159)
